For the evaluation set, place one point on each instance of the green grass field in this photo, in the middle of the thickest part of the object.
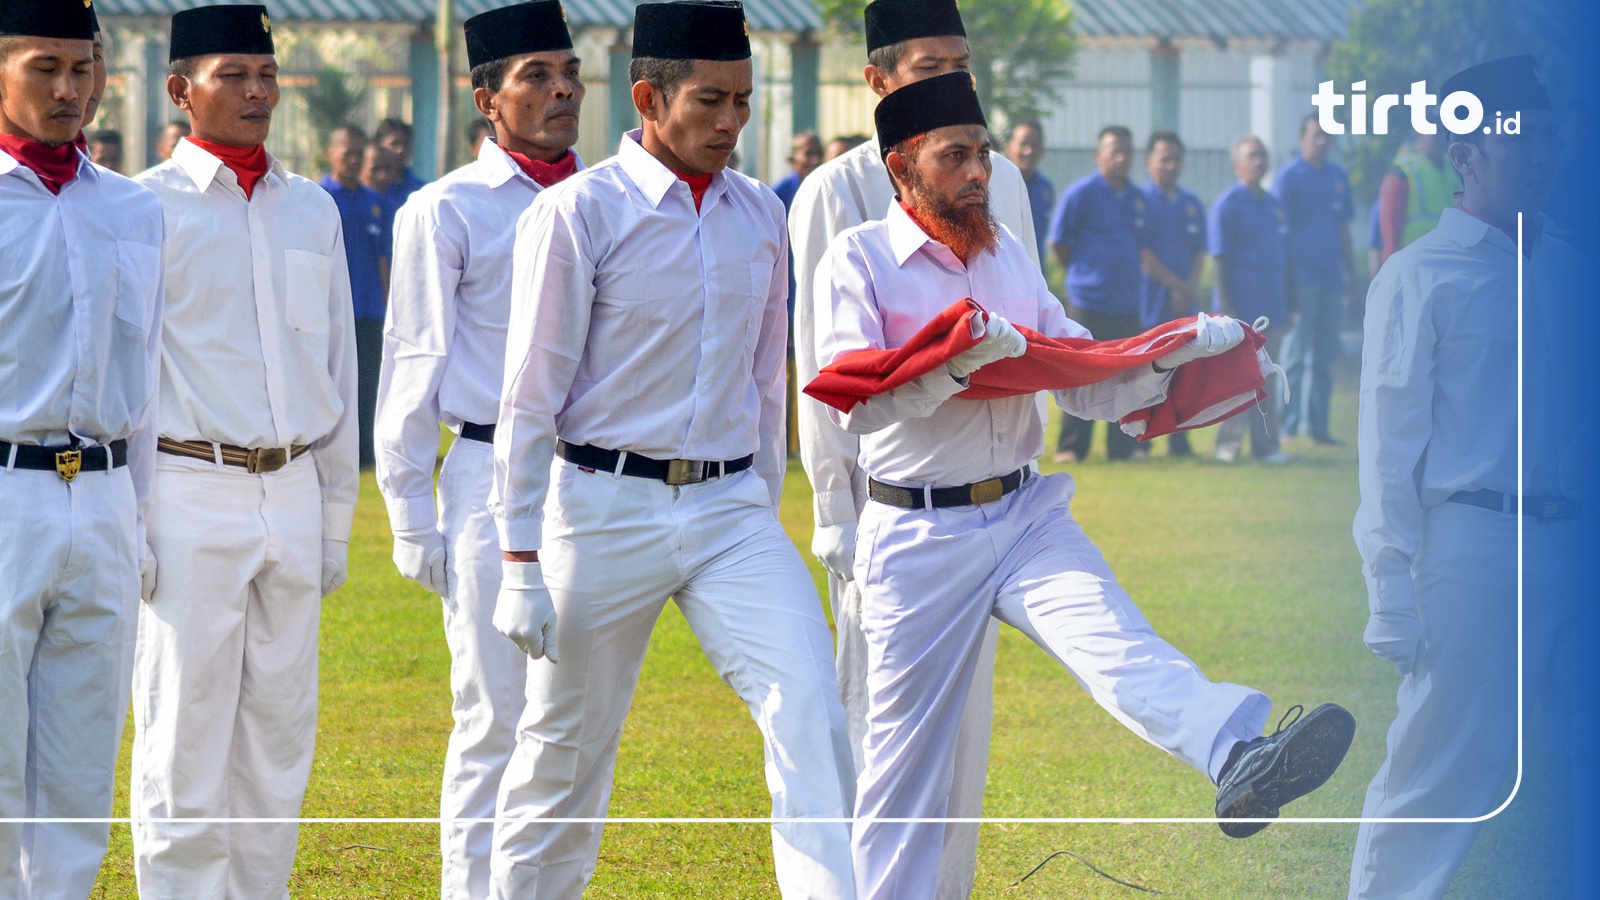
(1250, 571)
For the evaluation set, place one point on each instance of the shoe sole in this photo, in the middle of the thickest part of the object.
(1302, 764)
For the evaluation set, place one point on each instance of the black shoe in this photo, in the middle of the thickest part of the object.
(1265, 774)
(1323, 440)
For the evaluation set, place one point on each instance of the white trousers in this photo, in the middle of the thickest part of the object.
(1454, 739)
(958, 863)
(931, 580)
(225, 678)
(69, 583)
(487, 672)
(615, 548)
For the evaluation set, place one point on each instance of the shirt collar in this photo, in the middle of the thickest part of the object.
(906, 237)
(1468, 230)
(496, 165)
(203, 168)
(655, 179)
(8, 164)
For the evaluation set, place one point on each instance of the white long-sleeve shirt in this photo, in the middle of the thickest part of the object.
(1438, 397)
(444, 344)
(259, 336)
(843, 193)
(80, 314)
(886, 280)
(639, 324)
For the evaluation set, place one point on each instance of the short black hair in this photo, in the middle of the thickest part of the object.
(1035, 124)
(182, 67)
(1308, 119)
(1117, 131)
(479, 126)
(662, 74)
(351, 132)
(490, 75)
(888, 56)
(8, 43)
(1163, 136)
(106, 136)
(390, 128)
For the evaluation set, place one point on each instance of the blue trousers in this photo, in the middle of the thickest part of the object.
(1310, 349)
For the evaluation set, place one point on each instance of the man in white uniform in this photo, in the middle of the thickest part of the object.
(645, 396)
(907, 41)
(80, 296)
(960, 529)
(255, 479)
(1437, 525)
(444, 361)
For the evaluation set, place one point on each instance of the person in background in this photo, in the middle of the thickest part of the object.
(1315, 194)
(1172, 246)
(105, 148)
(1417, 189)
(478, 131)
(171, 134)
(1374, 241)
(396, 137)
(843, 144)
(1094, 238)
(380, 170)
(1248, 235)
(1026, 149)
(367, 246)
(805, 154)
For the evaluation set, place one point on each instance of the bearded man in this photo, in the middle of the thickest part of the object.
(961, 527)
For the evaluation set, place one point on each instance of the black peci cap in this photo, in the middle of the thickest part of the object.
(71, 20)
(515, 30)
(220, 29)
(1510, 84)
(922, 106)
(892, 21)
(698, 29)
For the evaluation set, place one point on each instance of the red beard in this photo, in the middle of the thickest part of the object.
(967, 231)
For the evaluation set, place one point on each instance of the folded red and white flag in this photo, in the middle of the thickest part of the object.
(1201, 393)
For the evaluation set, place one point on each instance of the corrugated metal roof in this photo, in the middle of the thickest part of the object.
(1319, 20)
(764, 15)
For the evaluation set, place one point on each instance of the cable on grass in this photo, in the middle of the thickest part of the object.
(365, 847)
(1092, 867)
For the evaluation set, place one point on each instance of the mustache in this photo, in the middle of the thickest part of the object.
(562, 108)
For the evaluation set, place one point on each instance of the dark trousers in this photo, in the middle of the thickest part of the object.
(1077, 434)
(369, 359)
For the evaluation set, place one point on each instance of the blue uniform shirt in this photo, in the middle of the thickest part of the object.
(366, 240)
(1097, 224)
(1174, 230)
(1317, 202)
(1250, 231)
(785, 189)
(404, 188)
(1041, 202)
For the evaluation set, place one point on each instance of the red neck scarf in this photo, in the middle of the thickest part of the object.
(697, 185)
(248, 164)
(55, 166)
(546, 174)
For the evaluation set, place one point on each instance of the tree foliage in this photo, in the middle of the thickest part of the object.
(332, 100)
(1022, 50)
(1393, 43)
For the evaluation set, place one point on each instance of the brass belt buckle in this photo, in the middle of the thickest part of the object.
(685, 471)
(266, 459)
(68, 464)
(1553, 509)
(987, 491)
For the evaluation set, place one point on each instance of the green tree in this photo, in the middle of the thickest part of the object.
(332, 100)
(1393, 43)
(1022, 50)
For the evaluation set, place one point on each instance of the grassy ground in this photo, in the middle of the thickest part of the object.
(1250, 571)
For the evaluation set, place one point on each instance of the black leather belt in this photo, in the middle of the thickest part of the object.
(65, 461)
(672, 471)
(1550, 508)
(964, 495)
(472, 431)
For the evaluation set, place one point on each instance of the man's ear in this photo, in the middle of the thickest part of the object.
(1460, 156)
(178, 92)
(483, 99)
(645, 97)
(897, 165)
(877, 79)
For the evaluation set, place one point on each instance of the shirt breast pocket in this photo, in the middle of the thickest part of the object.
(138, 268)
(308, 278)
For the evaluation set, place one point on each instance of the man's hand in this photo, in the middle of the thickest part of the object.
(420, 555)
(334, 554)
(524, 611)
(147, 576)
(1213, 335)
(835, 545)
(1396, 636)
(1001, 340)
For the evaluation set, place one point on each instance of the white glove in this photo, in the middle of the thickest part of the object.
(420, 555)
(835, 545)
(524, 611)
(147, 576)
(333, 565)
(1213, 336)
(1396, 636)
(1001, 340)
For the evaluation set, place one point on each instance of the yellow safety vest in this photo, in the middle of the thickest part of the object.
(1431, 189)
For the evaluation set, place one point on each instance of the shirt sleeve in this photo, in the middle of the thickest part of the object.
(771, 370)
(1010, 178)
(142, 443)
(416, 340)
(827, 452)
(338, 467)
(552, 298)
(1395, 424)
